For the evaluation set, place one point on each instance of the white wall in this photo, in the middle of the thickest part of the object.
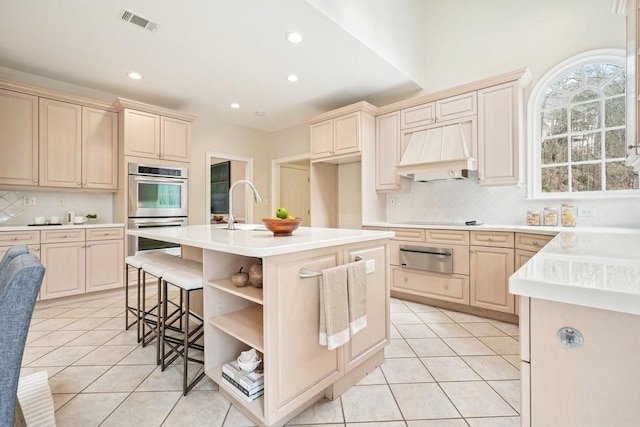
(469, 40)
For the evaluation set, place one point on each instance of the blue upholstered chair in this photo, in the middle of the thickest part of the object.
(20, 281)
(13, 252)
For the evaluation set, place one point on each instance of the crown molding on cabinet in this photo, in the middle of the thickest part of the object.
(522, 74)
(352, 108)
(51, 94)
(122, 103)
(619, 6)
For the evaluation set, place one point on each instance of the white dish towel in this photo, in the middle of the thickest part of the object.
(343, 304)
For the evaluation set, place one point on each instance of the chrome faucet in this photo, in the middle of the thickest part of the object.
(256, 198)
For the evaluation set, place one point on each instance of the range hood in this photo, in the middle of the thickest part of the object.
(440, 153)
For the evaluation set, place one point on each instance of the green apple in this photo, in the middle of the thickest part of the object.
(282, 213)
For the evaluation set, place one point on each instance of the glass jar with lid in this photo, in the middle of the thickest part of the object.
(533, 218)
(550, 216)
(568, 215)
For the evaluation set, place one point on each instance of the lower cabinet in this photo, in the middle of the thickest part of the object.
(76, 260)
(445, 287)
(492, 263)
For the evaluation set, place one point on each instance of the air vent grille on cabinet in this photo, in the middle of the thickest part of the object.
(138, 20)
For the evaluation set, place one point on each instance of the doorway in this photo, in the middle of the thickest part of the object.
(290, 186)
(240, 167)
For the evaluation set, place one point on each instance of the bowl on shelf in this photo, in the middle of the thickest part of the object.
(249, 366)
(282, 227)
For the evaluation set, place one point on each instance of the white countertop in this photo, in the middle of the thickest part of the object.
(537, 229)
(259, 243)
(56, 226)
(599, 269)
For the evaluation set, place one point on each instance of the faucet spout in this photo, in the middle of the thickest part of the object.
(256, 198)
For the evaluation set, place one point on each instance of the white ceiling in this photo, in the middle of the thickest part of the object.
(205, 55)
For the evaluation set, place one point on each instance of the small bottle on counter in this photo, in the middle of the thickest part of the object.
(568, 215)
(533, 218)
(550, 217)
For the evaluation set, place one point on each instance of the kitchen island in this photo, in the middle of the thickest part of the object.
(281, 319)
(579, 322)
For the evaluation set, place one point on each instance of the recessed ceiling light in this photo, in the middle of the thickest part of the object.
(292, 78)
(260, 113)
(294, 37)
(235, 105)
(135, 76)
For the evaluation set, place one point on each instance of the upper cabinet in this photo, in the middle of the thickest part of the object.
(18, 138)
(500, 135)
(387, 151)
(441, 110)
(55, 140)
(155, 133)
(337, 136)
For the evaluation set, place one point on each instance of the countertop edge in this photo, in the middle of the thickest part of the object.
(57, 227)
(537, 229)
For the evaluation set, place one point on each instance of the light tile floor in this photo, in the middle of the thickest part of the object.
(441, 369)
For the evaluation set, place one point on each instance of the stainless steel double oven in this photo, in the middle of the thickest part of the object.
(157, 197)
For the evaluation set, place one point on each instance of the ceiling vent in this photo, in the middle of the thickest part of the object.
(138, 20)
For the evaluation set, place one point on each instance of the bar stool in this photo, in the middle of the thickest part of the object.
(187, 280)
(137, 261)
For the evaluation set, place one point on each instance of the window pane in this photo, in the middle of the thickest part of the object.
(615, 86)
(615, 145)
(620, 176)
(554, 122)
(596, 75)
(554, 150)
(585, 117)
(555, 179)
(570, 81)
(614, 111)
(586, 147)
(586, 177)
(585, 95)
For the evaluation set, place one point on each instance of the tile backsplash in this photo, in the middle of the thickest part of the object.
(464, 200)
(13, 210)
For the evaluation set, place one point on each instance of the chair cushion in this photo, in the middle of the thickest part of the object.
(137, 261)
(188, 278)
(158, 268)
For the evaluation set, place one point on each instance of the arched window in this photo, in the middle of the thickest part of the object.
(577, 120)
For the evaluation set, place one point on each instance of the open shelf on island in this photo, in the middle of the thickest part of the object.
(244, 325)
(247, 292)
(256, 408)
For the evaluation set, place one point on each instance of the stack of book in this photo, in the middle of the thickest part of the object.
(248, 386)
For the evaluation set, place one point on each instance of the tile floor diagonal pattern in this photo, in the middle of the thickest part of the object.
(441, 369)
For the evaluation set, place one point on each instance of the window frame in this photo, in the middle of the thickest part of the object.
(536, 99)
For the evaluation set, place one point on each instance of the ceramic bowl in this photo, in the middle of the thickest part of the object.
(248, 366)
(281, 227)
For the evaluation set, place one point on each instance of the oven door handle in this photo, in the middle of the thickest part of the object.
(154, 179)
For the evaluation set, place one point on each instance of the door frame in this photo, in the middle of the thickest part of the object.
(248, 173)
(275, 176)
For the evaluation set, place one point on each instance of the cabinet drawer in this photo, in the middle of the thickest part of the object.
(408, 234)
(105, 233)
(60, 236)
(10, 238)
(501, 239)
(532, 242)
(460, 256)
(417, 116)
(446, 287)
(448, 237)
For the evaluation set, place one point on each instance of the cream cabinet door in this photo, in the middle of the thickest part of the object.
(104, 264)
(346, 134)
(18, 138)
(387, 151)
(521, 259)
(60, 144)
(499, 135)
(375, 335)
(141, 134)
(175, 137)
(420, 115)
(490, 271)
(456, 107)
(65, 269)
(99, 149)
(321, 139)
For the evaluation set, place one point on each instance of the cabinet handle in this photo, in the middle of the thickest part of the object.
(35, 181)
(490, 239)
(446, 287)
(64, 236)
(631, 147)
(535, 243)
(106, 233)
(14, 238)
(406, 279)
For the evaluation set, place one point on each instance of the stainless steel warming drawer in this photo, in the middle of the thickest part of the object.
(439, 260)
